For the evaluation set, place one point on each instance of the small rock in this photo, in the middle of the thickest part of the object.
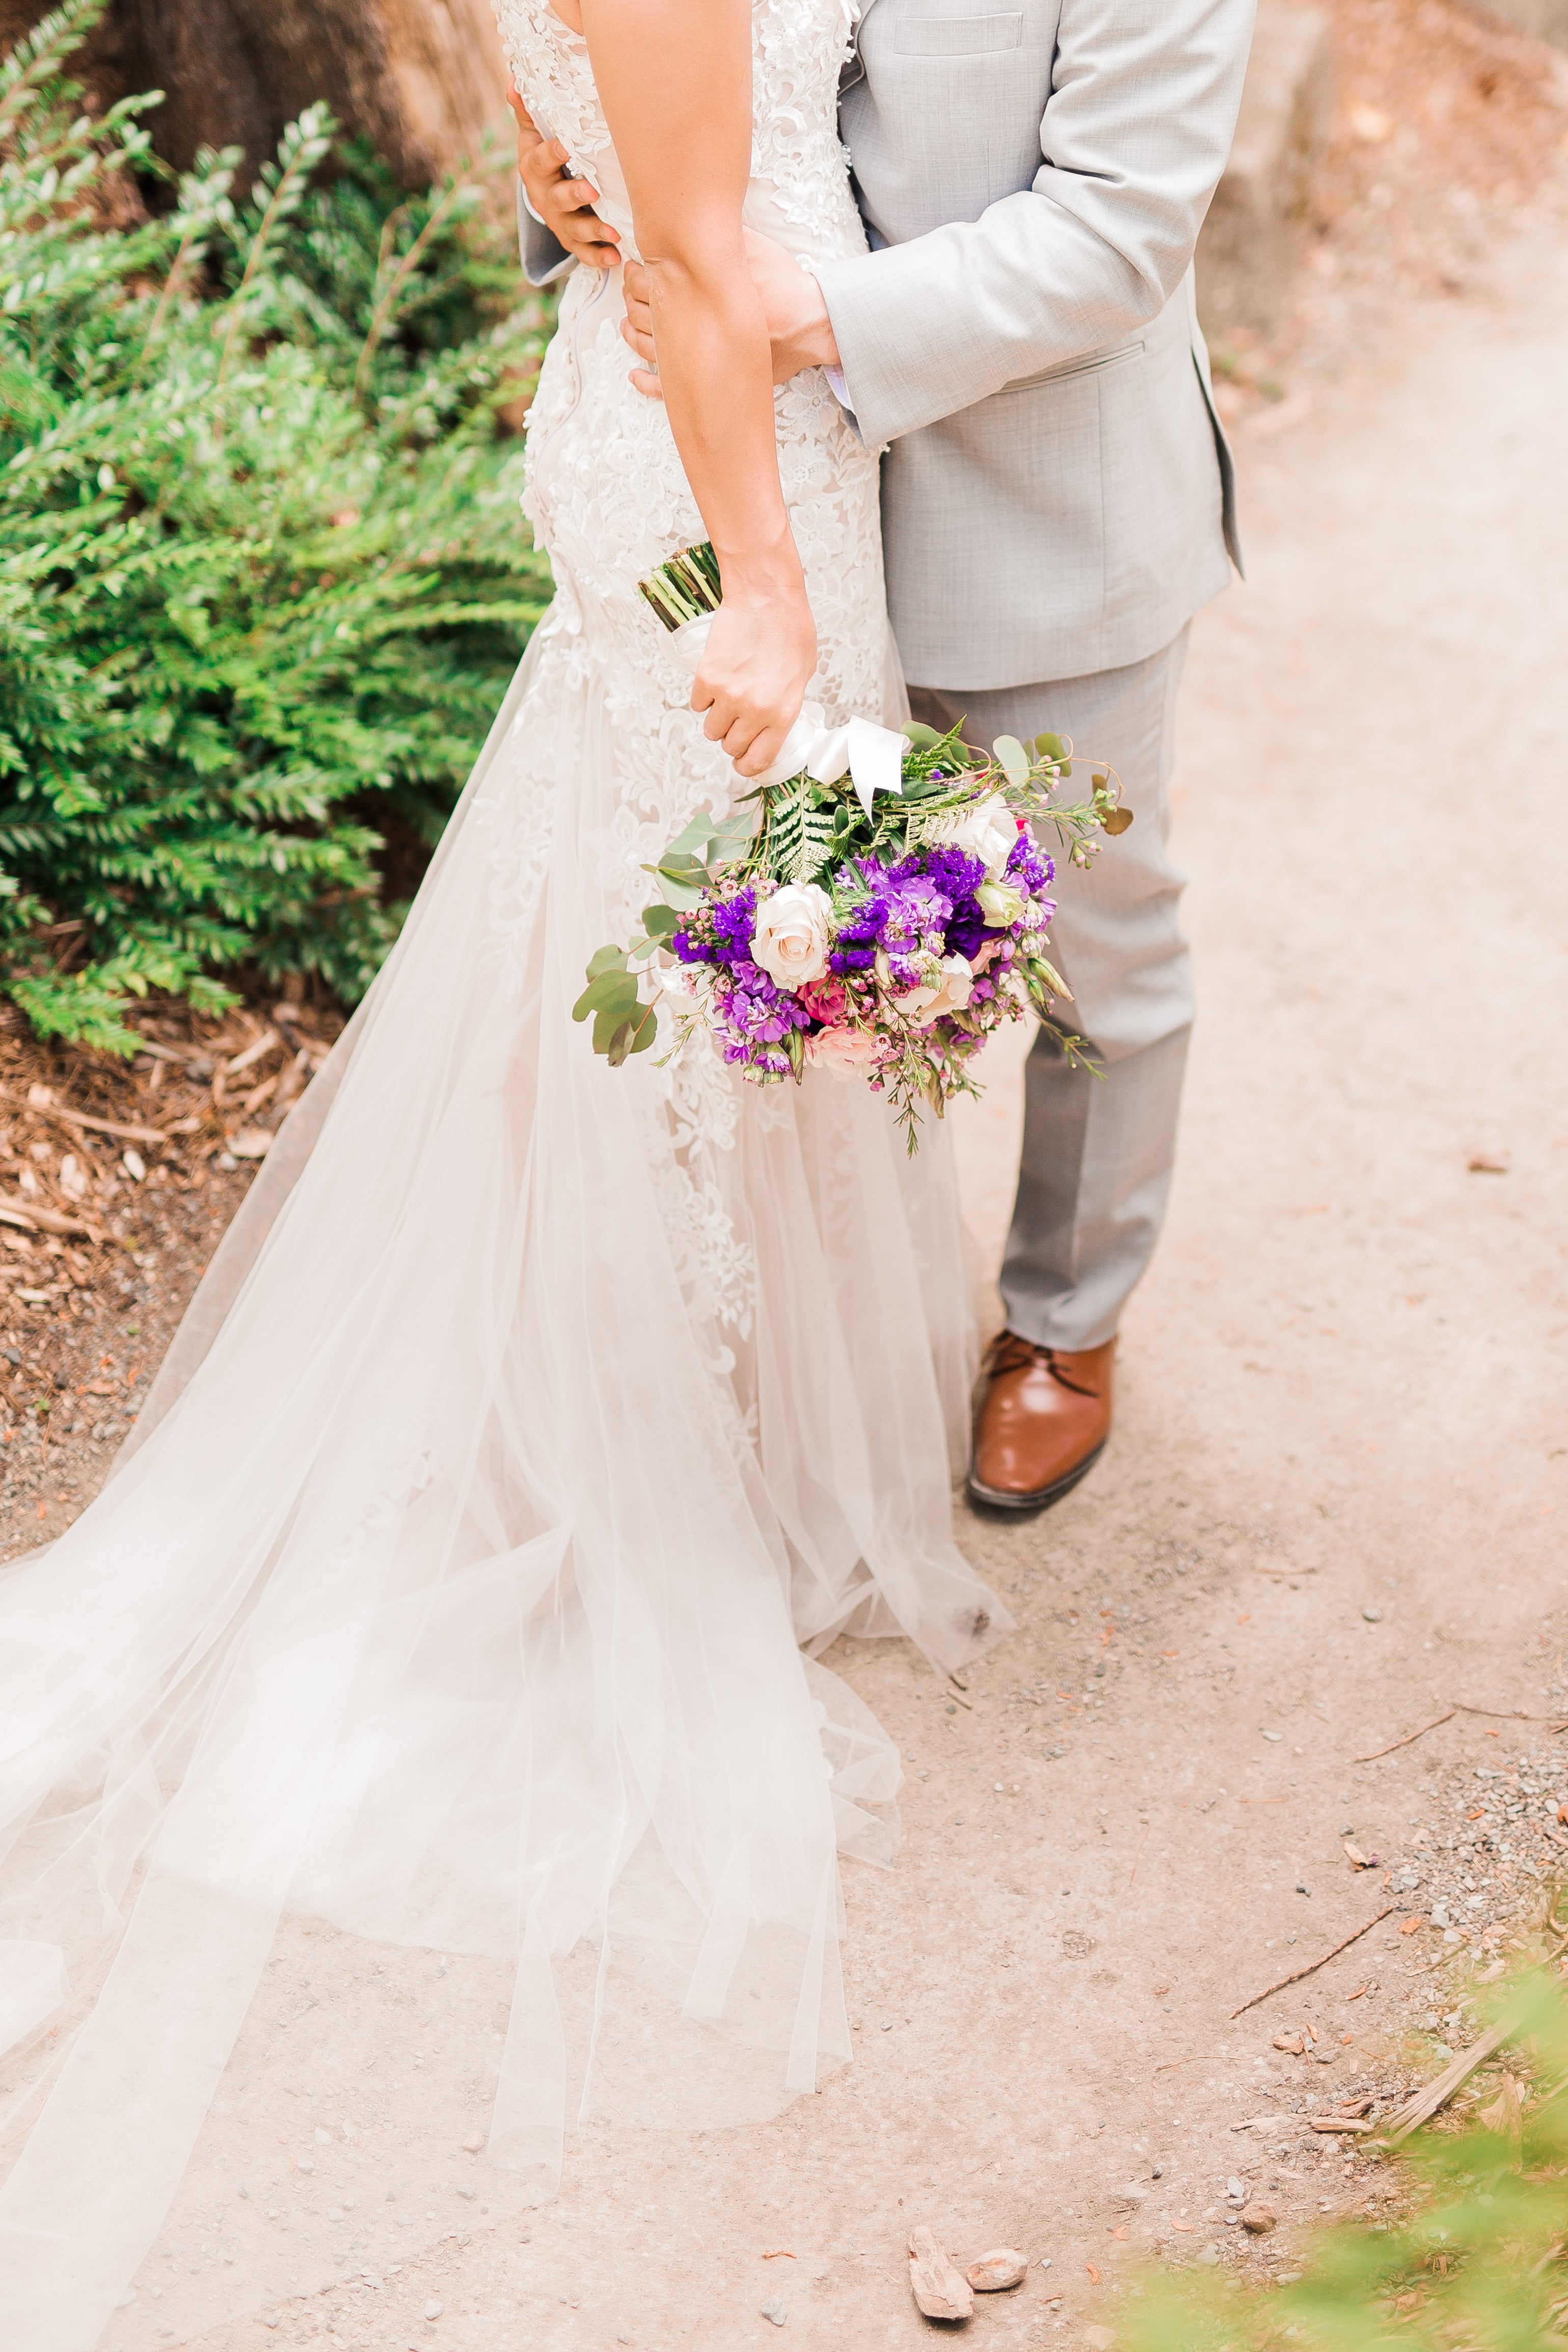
(323, 2138)
(778, 2311)
(1100, 2338)
(940, 2291)
(466, 2191)
(1275, 1735)
(1259, 2219)
(1286, 2278)
(988, 2273)
(432, 2309)
(1208, 2254)
(1373, 1616)
(474, 2143)
(1236, 2191)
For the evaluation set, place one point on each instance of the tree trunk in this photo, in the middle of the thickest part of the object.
(422, 79)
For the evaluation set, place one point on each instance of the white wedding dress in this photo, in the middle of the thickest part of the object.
(535, 1424)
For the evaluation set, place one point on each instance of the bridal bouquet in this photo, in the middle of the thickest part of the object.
(875, 912)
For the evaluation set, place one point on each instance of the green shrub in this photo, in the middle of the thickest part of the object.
(1480, 2265)
(263, 576)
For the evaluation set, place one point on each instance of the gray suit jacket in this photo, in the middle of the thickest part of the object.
(1057, 493)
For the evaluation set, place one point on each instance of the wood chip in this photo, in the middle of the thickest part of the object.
(940, 2290)
(1425, 2104)
(110, 1127)
(1356, 1859)
(31, 1217)
(1002, 2267)
(264, 1044)
(1506, 2113)
(1337, 2123)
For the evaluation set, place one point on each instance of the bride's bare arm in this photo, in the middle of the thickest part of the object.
(674, 79)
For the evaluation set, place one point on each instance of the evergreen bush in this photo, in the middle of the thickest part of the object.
(263, 576)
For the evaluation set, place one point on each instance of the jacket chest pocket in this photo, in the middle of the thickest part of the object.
(959, 37)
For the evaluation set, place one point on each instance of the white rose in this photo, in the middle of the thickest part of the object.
(999, 903)
(949, 990)
(987, 830)
(790, 939)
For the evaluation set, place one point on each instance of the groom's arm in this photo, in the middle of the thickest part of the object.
(1135, 133)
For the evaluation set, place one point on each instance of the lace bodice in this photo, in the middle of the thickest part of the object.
(799, 177)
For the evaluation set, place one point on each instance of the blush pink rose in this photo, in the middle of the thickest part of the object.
(844, 1053)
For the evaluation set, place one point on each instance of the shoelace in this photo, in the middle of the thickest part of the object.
(1010, 1353)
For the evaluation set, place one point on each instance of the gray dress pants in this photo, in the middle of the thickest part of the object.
(1098, 1153)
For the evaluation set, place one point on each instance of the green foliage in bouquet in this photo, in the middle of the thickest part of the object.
(262, 573)
(1480, 2265)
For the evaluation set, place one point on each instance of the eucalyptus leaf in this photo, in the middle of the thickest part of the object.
(612, 993)
(1049, 746)
(616, 1039)
(602, 959)
(644, 1030)
(659, 922)
(1119, 819)
(922, 738)
(697, 836)
(1011, 756)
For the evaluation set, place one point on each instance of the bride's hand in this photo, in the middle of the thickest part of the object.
(761, 651)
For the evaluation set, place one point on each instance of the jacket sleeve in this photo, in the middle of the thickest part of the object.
(1135, 133)
(544, 259)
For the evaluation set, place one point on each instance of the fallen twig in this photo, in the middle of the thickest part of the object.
(1510, 1715)
(1313, 1966)
(1501, 1714)
(1409, 1736)
(1438, 2092)
(1337, 2123)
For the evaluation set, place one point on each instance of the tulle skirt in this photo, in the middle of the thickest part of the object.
(458, 1596)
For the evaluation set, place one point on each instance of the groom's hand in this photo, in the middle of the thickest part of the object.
(798, 321)
(563, 203)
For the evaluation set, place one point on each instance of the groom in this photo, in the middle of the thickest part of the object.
(1057, 502)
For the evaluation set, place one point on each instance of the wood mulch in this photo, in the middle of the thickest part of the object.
(117, 1182)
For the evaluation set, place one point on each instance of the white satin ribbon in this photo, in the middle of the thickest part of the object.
(871, 755)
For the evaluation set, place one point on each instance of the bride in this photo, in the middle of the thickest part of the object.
(538, 1423)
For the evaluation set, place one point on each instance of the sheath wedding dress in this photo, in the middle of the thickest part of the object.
(535, 1425)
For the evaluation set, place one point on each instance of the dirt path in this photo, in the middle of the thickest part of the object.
(1336, 1505)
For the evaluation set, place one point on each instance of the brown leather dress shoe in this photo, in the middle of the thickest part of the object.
(1043, 1419)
